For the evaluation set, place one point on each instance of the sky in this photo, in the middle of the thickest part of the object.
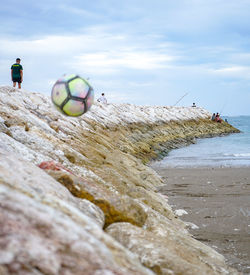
(144, 52)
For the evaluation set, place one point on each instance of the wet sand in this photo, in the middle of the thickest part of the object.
(218, 202)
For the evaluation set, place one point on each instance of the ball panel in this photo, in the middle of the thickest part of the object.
(90, 99)
(78, 87)
(74, 108)
(59, 93)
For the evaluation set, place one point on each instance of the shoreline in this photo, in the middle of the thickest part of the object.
(87, 176)
(217, 203)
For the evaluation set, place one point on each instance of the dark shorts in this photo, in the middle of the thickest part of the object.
(16, 79)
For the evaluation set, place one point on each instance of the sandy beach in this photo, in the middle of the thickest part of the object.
(217, 201)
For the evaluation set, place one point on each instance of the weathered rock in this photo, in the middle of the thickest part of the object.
(45, 230)
(31, 180)
(152, 200)
(38, 239)
(165, 256)
(115, 208)
(105, 150)
(53, 166)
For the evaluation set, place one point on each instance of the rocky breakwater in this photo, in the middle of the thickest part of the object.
(77, 198)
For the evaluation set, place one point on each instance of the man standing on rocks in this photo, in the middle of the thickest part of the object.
(17, 73)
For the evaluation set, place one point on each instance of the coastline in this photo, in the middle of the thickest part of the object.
(87, 176)
(217, 203)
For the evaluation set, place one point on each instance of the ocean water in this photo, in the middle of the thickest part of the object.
(227, 151)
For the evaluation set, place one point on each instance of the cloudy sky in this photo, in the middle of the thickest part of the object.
(138, 51)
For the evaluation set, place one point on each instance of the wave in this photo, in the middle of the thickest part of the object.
(237, 155)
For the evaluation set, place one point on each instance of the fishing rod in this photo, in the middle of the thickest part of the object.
(181, 98)
(224, 105)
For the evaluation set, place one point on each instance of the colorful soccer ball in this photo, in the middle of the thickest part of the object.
(72, 95)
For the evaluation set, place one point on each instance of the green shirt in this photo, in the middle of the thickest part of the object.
(16, 69)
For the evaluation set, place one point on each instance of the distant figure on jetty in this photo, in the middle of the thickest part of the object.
(217, 118)
(193, 105)
(17, 73)
(213, 117)
(102, 99)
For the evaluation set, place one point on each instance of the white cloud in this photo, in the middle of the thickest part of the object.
(135, 52)
(111, 61)
(93, 52)
(140, 84)
(234, 71)
(91, 49)
(75, 10)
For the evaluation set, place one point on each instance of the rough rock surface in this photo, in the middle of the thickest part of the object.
(45, 230)
(169, 254)
(115, 207)
(52, 223)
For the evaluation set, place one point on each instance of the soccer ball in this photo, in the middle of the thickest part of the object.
(72, 95)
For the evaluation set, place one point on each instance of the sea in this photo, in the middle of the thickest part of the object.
(216, 201)
(227, 151)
